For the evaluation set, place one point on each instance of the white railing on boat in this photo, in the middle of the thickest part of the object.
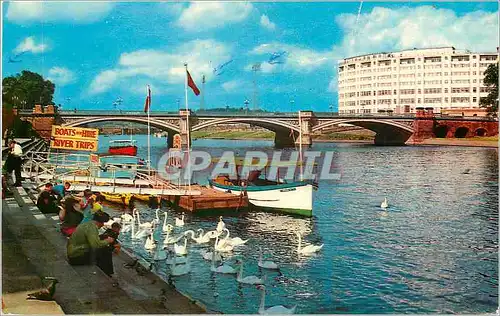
(44, 167)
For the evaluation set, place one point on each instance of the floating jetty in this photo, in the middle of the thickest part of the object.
(209, 201)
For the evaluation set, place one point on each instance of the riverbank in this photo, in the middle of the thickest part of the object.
(81, 289)
(465, 142)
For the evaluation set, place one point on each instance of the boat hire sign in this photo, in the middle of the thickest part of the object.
(74, 138)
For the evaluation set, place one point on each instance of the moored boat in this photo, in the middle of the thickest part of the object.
(288, 198)
(125, 147)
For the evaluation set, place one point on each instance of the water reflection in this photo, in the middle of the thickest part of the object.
(434, 250)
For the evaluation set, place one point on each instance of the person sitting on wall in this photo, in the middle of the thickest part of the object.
(86, 205)
(84, 242)
(47, 203)
(61, 190)
(104, 259)
(70, 216)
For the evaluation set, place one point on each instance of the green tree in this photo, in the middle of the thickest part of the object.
(491, 81)
(26, 89)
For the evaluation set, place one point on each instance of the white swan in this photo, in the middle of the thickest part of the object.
(201, 239)
(127, 217)
(221, 225)
(141, 233)
(177, 270)
(251, 279)
(179, 222)
(384, 204)
(208, 255)
(236, 241)
(309, 249)
(266, 264)
(125, 228)
(181, 250)
(178, 260)
(222, 268)
(164, 228)
(150, 244)
(142, 225)
(117, 219)
(223, 247)
(160, 254)
(278, 309)
(156, 220)
(170, 240)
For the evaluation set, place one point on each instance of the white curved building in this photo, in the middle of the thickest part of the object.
(442, 78)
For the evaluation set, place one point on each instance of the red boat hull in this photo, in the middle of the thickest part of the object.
(126, 150)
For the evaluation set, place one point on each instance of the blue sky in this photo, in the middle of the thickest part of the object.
(96, 52)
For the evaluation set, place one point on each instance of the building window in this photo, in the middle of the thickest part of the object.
(474, 99)
(395, 92)
(446, 74)
(474, 89)
(445, 90)
(419, 101)
(446, 99)
(474, 81)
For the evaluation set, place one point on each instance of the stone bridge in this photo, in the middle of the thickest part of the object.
(390, 130)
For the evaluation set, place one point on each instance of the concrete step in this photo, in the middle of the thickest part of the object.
(144, 292)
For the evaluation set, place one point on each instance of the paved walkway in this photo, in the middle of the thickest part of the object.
(82, 289)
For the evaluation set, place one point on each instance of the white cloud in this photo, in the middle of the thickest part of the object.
(266, 23)
(202, 16)
(164, 66)
(233, 85)
(294, 59)
(74, 12)
(61, 76)
(29, 45)
(385, 29)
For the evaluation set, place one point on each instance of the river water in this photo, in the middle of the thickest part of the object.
(435, 250)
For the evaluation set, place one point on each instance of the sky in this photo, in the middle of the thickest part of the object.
(98, 52)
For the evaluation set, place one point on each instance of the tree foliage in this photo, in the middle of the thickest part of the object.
(491, 81)
(26, 89)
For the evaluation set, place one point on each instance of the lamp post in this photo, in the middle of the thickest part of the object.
(246, 106)
(331, 108)
(292, 101)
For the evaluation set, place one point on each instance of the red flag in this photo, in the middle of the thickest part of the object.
(191, 84)
(147, 104)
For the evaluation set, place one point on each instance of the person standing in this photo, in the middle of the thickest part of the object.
(14, 161)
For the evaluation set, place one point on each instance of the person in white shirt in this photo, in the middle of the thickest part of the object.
(15, 158)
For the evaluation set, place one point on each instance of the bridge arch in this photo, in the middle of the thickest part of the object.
(171, 128)
(270, 124)
(388, 132)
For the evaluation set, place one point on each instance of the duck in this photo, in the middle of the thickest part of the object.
(179, 222)
(307, 250)
(181, 250)
(384, 204)
(266, 264)
(251, 279)
(222, 268)
(150, 244)
(278, 309)
(221, 225)
(178, 270)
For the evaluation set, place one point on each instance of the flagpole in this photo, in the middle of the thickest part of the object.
(187, 127)
(300, 149)
(149, 132)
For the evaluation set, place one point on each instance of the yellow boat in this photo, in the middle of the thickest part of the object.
(142, 197)
(118, 198)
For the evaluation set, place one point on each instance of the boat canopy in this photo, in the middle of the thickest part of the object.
(122, 142)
